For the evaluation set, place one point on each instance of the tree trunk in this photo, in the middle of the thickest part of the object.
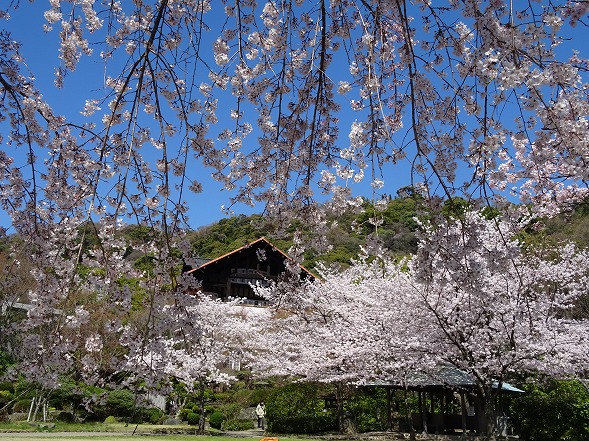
(486, 415)
(201, 408)
(31, 409)
(38, 404)
(389, 410)
(340, 407)
(463, 412)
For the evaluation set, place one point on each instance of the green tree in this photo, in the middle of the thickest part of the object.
(556, 410)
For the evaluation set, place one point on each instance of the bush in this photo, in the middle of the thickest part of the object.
(22, 405)
(7, 386)
(152, 415)
(581, 419)
(120, 403)
(556, 410)
(189, 407)
(5, 362)
(90, 417)
(110, 420)
(237, 425)
(297, 408)
(5, 397)
(216, 420)
(65, 417)
(307, 425)
(368, 410)
(71, 394)
(183, 414)
(230, 410)
(192, 418)
(294, 400)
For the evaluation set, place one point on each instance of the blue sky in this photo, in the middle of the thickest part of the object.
(40, 50)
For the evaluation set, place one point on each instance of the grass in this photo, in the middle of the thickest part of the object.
(118, 427)
(97, 436)
(109, 432)
(106, 436)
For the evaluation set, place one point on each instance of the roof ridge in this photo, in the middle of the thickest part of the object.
(247, 245)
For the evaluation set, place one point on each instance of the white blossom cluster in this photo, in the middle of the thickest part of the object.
(472, 298)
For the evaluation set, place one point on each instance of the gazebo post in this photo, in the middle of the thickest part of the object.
(463, 409)
(408, 411)
(423, 410)
(389, 409)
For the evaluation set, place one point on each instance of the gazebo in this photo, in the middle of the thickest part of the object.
(447, 402)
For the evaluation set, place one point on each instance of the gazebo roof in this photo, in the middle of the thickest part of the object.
(443, 377)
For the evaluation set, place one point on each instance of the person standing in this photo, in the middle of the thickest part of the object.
(261, 413)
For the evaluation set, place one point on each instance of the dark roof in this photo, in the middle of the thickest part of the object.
(447, 377)
(200, 261)
(442, 376)
(203, 263)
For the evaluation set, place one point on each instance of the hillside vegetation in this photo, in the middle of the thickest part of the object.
(395, 226)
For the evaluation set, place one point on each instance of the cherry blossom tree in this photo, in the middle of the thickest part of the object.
(470, 96)
(344, 328)
(349, 329)
(473, 298)
(496, 308)
(194, 338)
(285, 103)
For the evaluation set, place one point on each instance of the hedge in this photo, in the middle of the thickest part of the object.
(304, 424)
(237, 425)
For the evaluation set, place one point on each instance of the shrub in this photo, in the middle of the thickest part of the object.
(22, 405)
(5, 362)
(297, 408)
(7, 386)
(304, 424)
(152, 415)
(192, 418)
(230, 410)
(5, 397)
(368, 410)
(183, 413)
(216, 420)
(110, 420)
(237, 425)
(92, 417)
(581, 419)
(189, 407)
(120, 402)
(294, 400)
(65, 417)
(556, 410)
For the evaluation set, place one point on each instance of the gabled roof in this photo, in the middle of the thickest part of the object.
(262, 241)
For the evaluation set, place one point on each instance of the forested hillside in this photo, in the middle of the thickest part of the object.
(394, 225)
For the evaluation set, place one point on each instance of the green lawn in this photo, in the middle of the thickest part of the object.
(112, 432)
(113, 436)
(98, 436)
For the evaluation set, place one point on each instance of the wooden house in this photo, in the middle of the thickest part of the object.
(233, 274)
